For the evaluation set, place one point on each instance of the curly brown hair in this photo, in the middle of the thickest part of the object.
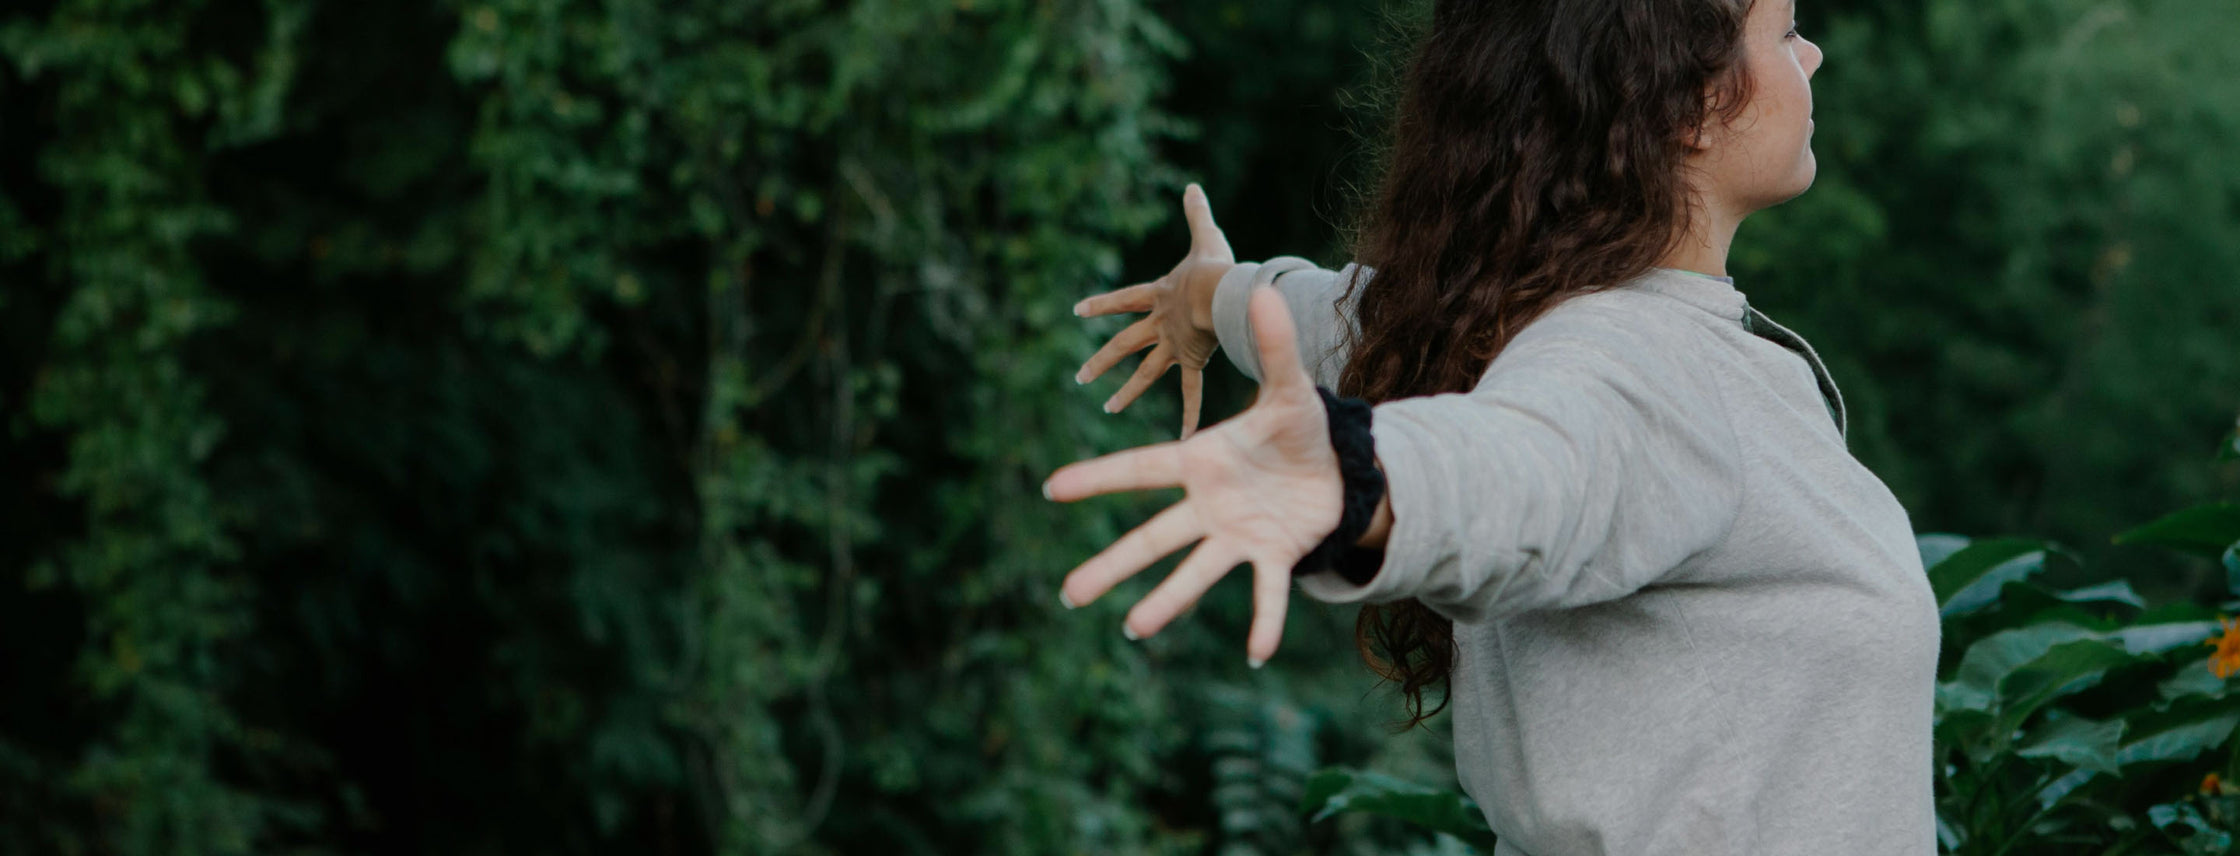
(1536, 153)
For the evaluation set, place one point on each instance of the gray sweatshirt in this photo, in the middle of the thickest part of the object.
(1689, 621)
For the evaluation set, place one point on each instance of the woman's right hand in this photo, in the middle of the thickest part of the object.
(1181, 319)
(1263, 487)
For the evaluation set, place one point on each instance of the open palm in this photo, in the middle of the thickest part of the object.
(1262, 487)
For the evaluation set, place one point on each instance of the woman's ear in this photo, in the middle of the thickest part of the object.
(1698, 139)
(1717, 100)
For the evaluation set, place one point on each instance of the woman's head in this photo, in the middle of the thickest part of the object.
(1541, 149)
(1763, 157)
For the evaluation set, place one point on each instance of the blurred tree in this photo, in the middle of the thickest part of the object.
(127, 589)
(634, 411)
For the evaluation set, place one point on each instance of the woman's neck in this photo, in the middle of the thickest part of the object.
(1704, 248)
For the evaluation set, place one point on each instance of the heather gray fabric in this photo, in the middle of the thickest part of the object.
(1690, 622)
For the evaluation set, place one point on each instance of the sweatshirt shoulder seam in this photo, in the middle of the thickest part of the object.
(1715, 377)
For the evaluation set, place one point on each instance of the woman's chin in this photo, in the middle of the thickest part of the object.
(1794, 188)
(1808, 170)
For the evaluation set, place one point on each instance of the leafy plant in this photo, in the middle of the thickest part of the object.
(1338, 790)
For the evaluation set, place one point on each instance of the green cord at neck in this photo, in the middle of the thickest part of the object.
(1701, 274)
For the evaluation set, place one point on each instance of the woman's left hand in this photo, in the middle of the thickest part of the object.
(1261, 487)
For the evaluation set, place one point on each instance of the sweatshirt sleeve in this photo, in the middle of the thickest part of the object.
(1310, 292)
(1594, 456)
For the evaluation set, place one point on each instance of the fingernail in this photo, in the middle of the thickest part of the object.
(1129, 632)
(1079, 380)
(1081, 309)
(1065, 600)
(1255, 662)
(1046, 492)
(1108, 408)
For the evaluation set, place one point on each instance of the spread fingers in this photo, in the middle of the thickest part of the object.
(1193, 399)
(1190, 580)
(1133, 338)
(1134, 298)
(1271, 596)
(1154, 364)
(1142, 468)
(1166, 532)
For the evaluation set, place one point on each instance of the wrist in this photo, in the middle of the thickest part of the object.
(1380, 523)
(1362, 486)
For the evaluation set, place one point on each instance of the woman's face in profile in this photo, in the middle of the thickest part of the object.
(1764, 158)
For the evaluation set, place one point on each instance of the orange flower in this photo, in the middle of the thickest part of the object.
(2210, 784)
(2227, 658)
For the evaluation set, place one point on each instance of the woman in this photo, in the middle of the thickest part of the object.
(1599, 499)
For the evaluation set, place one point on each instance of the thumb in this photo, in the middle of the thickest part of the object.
(1277, 340)
(1195, 208)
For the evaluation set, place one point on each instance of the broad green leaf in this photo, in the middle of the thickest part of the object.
(1336, 790)
(2209, 842)
(2165, 814)
(2207, 530)
(1966, 730)
(1936, 547)
(2179, 734)
(1969, 579)
(2176, 612)
(2061, 787)
(2117, 591)
(2192, 679)
(2086, 744)
(2160, 637)
(2024, 604)
(2062, 670)
(1975, 686)
(2202, 836)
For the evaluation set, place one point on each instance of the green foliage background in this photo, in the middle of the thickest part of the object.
(567, 427)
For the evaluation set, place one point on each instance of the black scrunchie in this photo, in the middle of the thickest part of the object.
(1364, 488)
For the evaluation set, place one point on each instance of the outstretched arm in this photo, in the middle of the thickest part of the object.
(1592, 458)
(1310, 292)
